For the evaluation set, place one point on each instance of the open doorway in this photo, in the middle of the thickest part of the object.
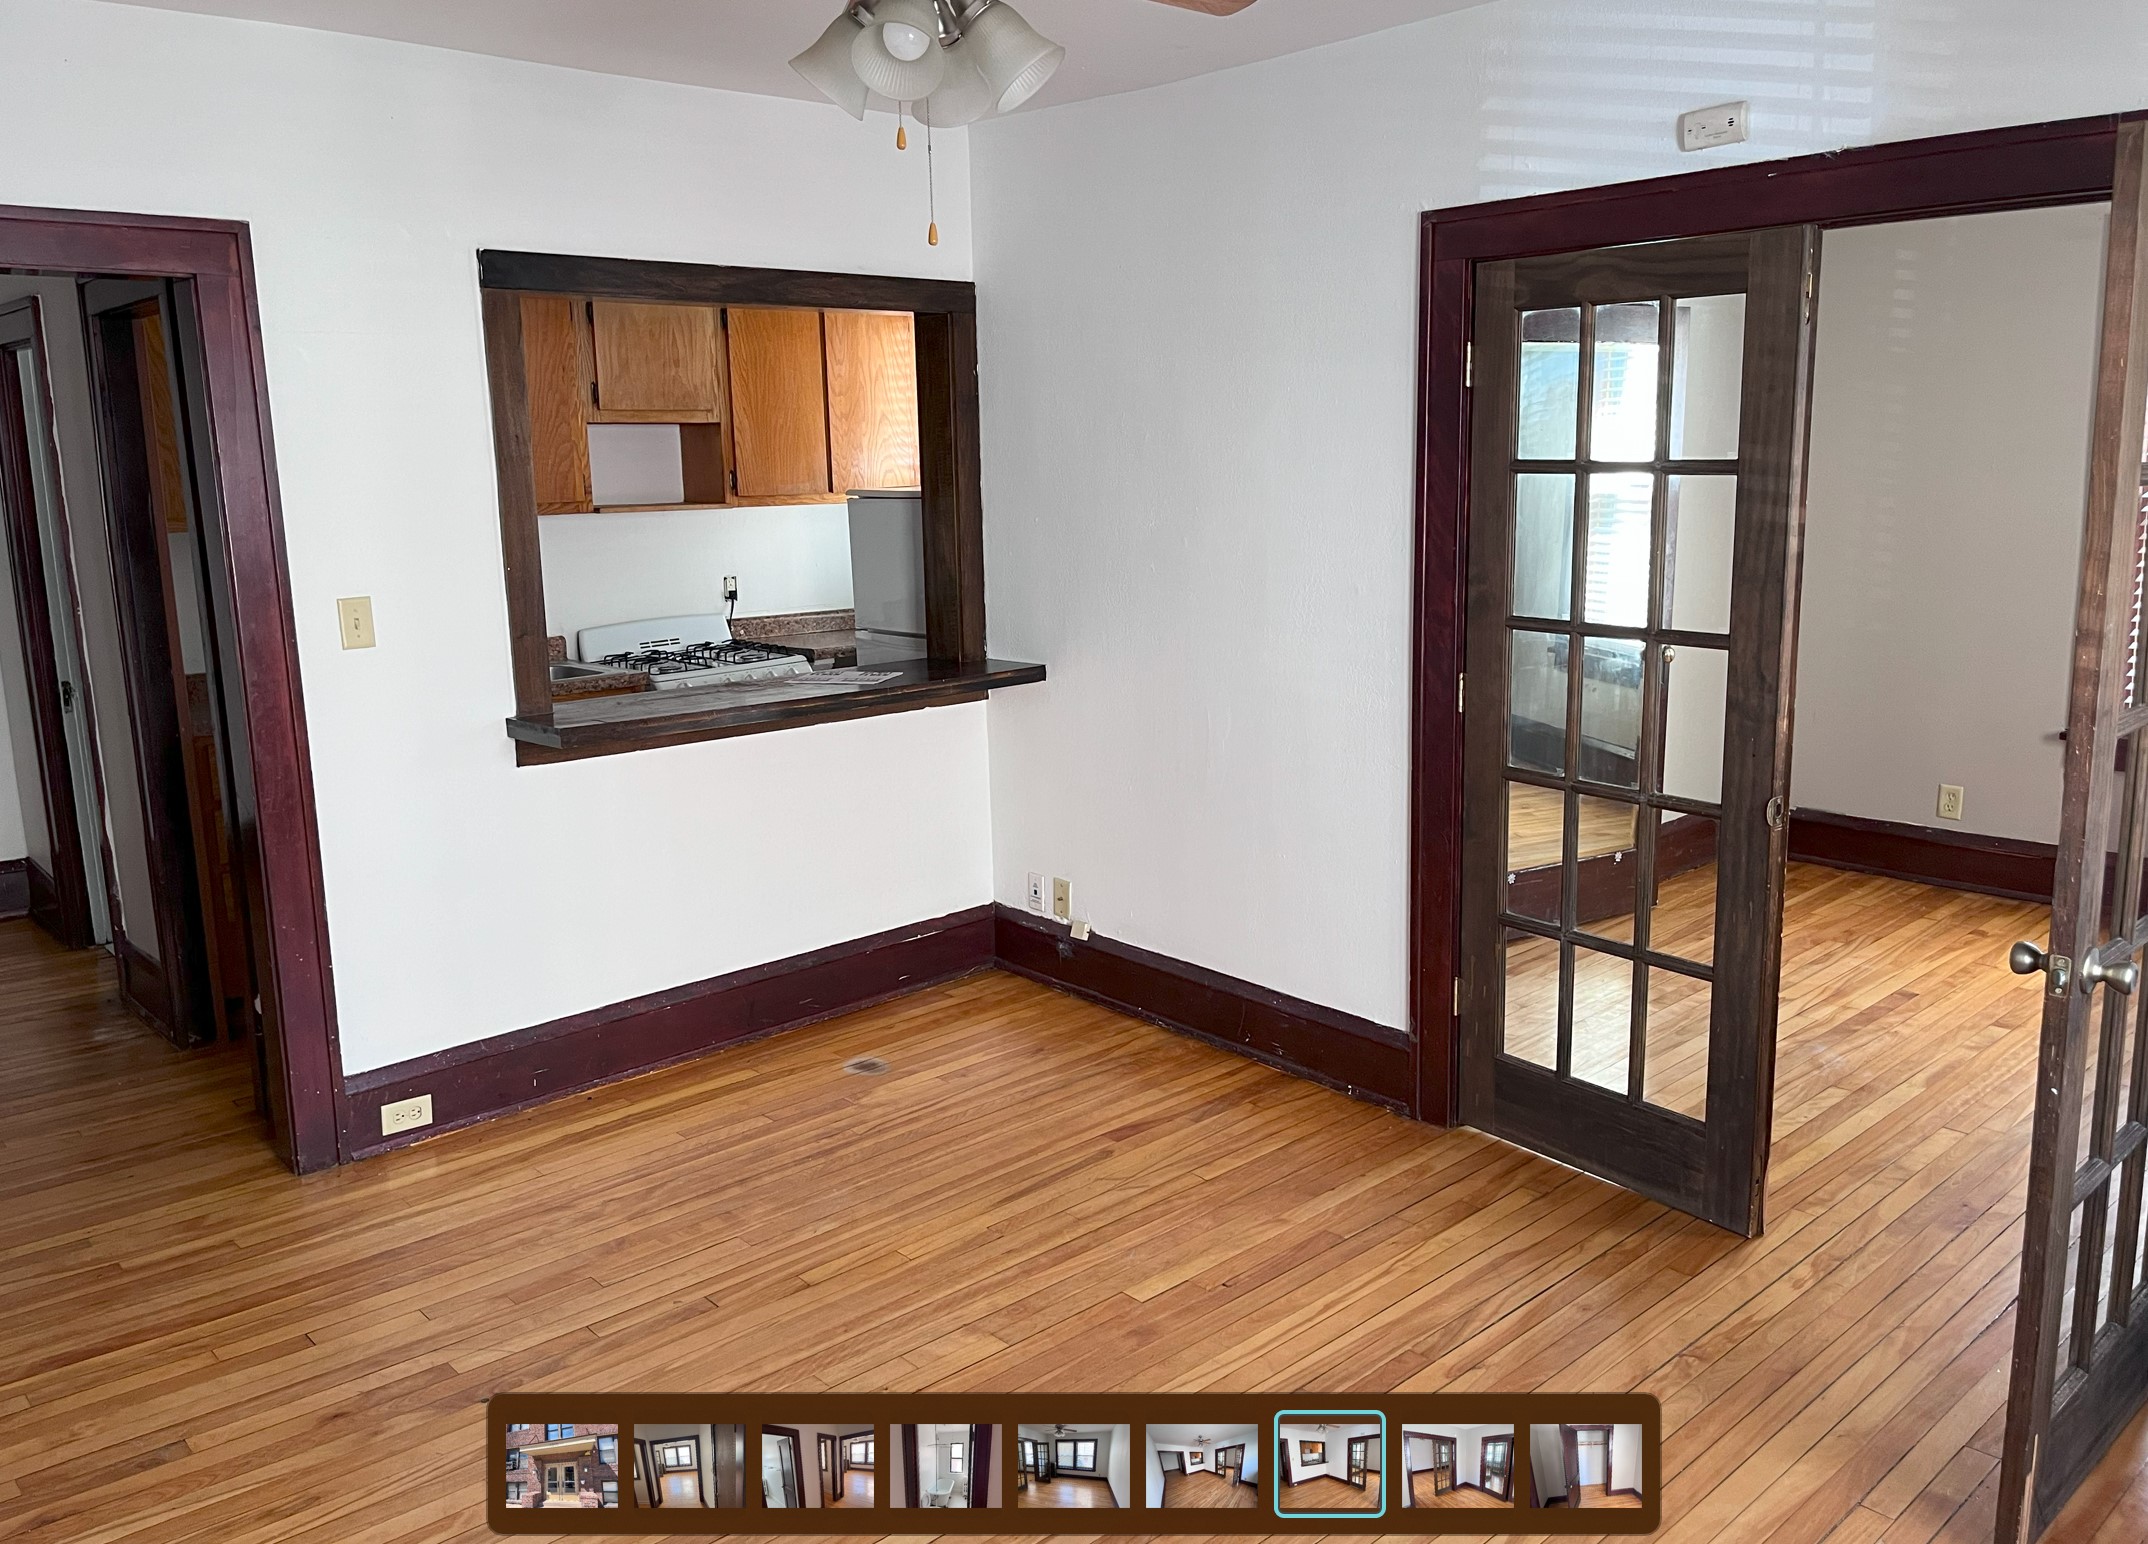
(107, 487)
(1989, 354)
(148, 655)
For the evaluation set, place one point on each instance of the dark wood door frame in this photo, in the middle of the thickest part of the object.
(2043, 164)
(279, 847)
(63, 909)
(980, 1466)
(831, 1473)
(797, 1479)
(153, 680)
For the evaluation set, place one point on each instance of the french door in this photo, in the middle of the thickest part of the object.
(1442, 1465)
(1358, 1460)
(2081, 1323)
(1636, 504)
(1496, 1470)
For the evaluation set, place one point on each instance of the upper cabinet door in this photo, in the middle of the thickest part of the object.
(779, 403)
(656, 363)
(872, 399)
(554, 366)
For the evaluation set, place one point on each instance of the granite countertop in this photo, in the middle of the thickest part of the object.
(829, 637)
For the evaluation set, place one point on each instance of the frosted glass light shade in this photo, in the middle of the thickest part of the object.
(964, 96)
(1014, 58)
(827, 68)
(899, 80)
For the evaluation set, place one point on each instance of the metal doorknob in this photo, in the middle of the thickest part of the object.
(2025, 959)
(2122, 977)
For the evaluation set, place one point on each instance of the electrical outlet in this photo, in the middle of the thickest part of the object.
(354, 618)
(1707, 127)
(1950, 802)
(1036, 894)
(1063, 899)
(406, 1115)
(730, 587)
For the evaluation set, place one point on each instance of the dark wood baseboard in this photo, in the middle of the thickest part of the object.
(14, 888)
(495, 1076)
(143, 986)
(1955, 860)
(45, 901)
(1340, 1050)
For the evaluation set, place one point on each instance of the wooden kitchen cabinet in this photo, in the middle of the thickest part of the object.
(872, 399)
(779, 403)
(554, 365)
(655, 363)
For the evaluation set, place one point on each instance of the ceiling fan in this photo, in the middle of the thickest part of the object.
(951, 61)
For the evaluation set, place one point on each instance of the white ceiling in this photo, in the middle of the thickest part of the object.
(746, 45)
(1183, 1436)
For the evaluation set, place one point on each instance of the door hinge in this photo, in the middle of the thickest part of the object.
(1469, 365)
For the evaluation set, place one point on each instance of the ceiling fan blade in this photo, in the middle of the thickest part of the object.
(1210, 7)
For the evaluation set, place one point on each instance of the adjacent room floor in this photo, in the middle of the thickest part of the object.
(1422, 1493)
(1328, 1494)
(1203, 1489)
(1066, 1491)
(200, 1339)
(857, 1489)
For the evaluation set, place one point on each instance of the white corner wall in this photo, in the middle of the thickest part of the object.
(467, 897)
(1197, 318)
(1953, 382)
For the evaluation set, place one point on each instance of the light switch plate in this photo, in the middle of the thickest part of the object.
(354, 616)
(1707, 127)
(406, 1115)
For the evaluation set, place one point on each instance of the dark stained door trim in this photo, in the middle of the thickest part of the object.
(278, 837)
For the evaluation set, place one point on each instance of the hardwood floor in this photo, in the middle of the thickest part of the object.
(1206, 1490)
(1597, 1497)
(1067, 1491)
(857, 1489)
(202, 1348)
(1421, 1494)
(1536, 827)
(1328, 1494)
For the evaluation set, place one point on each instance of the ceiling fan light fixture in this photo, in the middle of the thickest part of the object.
(964, 95)
(827, 66)
(1015, 59)
(880, 54)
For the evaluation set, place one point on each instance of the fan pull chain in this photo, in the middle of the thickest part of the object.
(902, 135)
(932, 191)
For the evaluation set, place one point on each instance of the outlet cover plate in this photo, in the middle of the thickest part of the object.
(1036, 894)
(1063, 899)
(406, 1115)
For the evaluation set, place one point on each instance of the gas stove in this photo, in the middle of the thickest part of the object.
(697, 650)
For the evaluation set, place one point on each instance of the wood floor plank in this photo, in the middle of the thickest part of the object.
(202, 1348)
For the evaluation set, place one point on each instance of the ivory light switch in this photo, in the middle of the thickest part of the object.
(355, 616)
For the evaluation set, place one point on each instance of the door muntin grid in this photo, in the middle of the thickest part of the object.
(1615, 755)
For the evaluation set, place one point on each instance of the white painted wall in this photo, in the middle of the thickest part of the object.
(1337, 1459)
(1155, 1474)
(1547, 1463)
(1626, 1458)
(1952, 391)
(467, 897)
(618, 568)
(1197, 325)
